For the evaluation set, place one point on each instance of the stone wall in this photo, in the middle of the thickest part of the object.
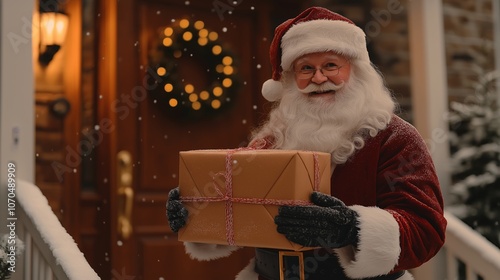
(468, 28)
(387, 35)
(469, 44)
(385, 23)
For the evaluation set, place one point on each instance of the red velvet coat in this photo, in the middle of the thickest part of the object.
(394, 172)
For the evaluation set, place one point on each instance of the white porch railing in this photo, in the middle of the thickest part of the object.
(479, 257)
(50, 252)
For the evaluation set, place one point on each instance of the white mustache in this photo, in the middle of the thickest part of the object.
(327, 86)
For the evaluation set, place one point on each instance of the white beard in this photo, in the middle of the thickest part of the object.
(336, 124)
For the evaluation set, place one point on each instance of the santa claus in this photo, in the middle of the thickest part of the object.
(385, 215)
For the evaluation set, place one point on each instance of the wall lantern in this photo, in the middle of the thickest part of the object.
(53, 28)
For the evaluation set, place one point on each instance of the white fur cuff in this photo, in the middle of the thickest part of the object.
(248, 273)
(378, 248)
(208, 252)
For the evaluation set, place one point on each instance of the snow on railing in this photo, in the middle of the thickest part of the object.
(463, 244)
(50, 252)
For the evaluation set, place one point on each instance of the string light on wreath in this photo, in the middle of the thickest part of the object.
(180, 95)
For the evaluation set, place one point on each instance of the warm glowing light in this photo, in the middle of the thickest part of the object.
(168, 87)
(227, 82)
(189, 88)
(187, 36)
(219, 68)
(184, 23)
(213, 36)
(167, 42)
(217, 91)
(173, 102)
(53, 27)
(204, 95)
(227, 60)
(228, 70)
(202, 41)
(216, 50)
(199, 24)
(193, 97)
(168, 31)
(196, 106)
(161, 71)
(215, 104)
(203, 33)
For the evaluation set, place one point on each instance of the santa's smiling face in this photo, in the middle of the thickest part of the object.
(322, 74)
(329, 103)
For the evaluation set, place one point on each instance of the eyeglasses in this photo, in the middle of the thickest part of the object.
(308, 72)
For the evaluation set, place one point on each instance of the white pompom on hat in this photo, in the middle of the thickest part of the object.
(314, 30)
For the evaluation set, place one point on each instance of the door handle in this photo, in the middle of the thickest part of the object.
(125, 194)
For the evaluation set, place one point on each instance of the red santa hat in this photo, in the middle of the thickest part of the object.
(314, 30)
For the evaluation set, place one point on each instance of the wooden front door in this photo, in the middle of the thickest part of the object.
(147, 132)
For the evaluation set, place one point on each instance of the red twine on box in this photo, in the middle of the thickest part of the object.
(229, 199)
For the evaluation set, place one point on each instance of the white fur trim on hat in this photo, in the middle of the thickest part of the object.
(208, 252)
(272, 90)
(323, 35)
(378, 247)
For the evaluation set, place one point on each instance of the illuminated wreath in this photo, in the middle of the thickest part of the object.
(177, 95)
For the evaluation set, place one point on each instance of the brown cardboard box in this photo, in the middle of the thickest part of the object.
(275, 175)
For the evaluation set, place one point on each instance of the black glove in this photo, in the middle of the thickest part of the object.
(176, 212)
(328, 223)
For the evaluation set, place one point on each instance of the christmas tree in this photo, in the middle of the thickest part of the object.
(475, 158)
